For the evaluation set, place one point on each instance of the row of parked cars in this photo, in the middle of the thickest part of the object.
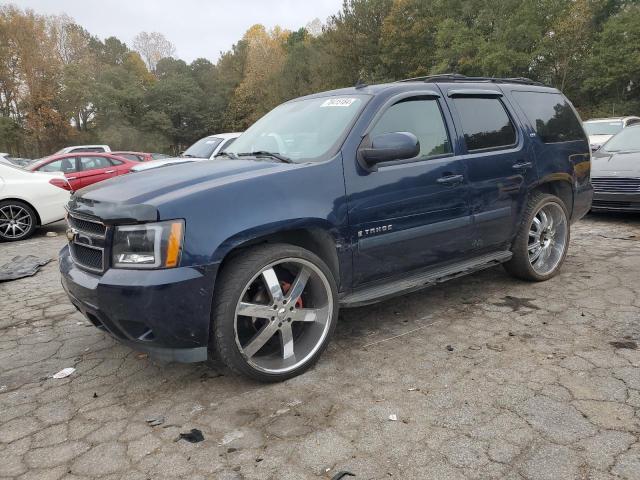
(34, 193)
(615, 168)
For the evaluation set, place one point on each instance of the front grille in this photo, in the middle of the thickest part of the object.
(616, 185)
(87, 226)
(87, 257)
(87, 246)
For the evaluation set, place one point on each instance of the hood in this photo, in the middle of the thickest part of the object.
(598, 139)
(615, 164)
(137, 196)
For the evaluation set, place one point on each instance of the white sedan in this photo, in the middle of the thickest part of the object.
(204, 149)
(29, 200)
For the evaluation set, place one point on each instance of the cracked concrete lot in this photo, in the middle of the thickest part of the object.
(488, 377)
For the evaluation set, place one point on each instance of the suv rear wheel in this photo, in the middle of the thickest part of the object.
(274, 312)
(542, 241)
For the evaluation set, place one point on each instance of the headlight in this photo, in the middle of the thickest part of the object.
(151, 245)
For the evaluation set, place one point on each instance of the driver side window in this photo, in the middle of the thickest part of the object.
(420, 116)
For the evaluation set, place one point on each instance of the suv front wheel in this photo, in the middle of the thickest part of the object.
(541, 243)
(275, 309)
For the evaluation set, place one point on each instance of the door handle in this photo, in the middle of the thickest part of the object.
(71, 178)
(450, 179)
(522, 166)
(110, 171)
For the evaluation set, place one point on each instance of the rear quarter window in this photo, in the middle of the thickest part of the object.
(485, 123)
(551, 116)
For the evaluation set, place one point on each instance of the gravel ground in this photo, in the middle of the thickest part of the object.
(488, 377)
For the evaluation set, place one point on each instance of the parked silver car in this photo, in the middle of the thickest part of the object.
(615, 172)
(600, 130)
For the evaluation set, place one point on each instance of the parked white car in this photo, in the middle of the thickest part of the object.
(84, 148)
(29, 200)
(165, 162)
(4, 158)
(204, 149)
(600, 130)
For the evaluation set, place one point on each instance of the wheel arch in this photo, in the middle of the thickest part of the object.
(559, 186)
(21, 200)
(316, 237)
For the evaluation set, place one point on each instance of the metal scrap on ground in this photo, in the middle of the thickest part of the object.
(21, 266)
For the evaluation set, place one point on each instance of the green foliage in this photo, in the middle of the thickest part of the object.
(616, 58)
(61, 85)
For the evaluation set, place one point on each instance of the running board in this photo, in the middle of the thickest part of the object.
(422, 279)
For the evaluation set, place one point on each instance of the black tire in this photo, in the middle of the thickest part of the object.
(520, 265)
(237, 273)
(16, 205)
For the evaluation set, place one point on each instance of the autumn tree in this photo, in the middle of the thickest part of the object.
(30, 78)
(79, 66)
(255, 96)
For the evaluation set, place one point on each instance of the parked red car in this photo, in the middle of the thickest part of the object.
(84, 168)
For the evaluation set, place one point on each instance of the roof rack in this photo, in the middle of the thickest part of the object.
(456, 77)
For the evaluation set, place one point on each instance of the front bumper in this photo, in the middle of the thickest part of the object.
(617, 202)
(166, 313)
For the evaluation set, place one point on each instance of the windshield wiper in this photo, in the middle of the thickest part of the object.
(264, 153)
(226, 154)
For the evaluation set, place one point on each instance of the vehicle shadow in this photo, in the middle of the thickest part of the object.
(630, 218)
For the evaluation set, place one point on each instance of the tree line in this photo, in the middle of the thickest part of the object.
(60, 85)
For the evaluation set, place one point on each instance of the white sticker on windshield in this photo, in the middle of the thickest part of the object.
(338, 102)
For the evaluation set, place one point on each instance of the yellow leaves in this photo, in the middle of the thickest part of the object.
(265, 58)
(134, 63)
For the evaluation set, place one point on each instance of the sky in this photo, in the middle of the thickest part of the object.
(197, 28)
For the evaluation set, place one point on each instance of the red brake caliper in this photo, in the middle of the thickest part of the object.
(285, 289)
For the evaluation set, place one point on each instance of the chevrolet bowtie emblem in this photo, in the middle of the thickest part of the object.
(71, 233)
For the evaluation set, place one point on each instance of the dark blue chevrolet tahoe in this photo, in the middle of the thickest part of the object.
(340, 198)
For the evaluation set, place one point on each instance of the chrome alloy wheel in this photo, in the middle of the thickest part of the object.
(547, 238)
(284, 315)
(15, 221)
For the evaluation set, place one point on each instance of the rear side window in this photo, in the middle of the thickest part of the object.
(91, 163)
(420, 116)
(485, 123)
(551, 115)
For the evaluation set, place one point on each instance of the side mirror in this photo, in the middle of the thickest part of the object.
(391, 146)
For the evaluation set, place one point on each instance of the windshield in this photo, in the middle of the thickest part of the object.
(627, 140)
(603, 128)
(301, 130)
(203, 148)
